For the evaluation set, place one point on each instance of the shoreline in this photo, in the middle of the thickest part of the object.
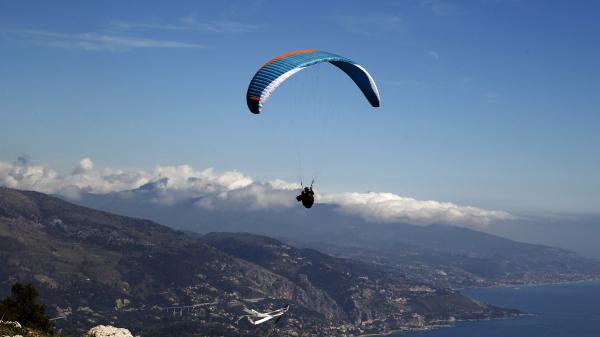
(507, 286)
(522, 285)
(447, 324)
(432, 327)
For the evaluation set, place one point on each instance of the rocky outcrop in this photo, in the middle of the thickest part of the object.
(107, 331)
(14, 324)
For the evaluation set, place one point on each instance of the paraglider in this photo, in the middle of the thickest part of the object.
(307, 196)
(273, 73)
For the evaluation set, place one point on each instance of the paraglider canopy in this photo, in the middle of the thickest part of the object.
(282, 67)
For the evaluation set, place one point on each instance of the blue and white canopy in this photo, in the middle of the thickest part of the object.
(280, 68)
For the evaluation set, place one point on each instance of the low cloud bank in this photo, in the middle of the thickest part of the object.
(168, 185)
(389, 207)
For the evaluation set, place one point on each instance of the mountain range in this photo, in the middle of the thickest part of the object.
(93, 267)
(440, 254)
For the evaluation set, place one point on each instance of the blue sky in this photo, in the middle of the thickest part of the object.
(494, 104)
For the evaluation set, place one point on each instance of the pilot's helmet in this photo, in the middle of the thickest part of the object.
(306, 189)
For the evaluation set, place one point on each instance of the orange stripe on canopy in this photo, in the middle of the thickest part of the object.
(288, 54)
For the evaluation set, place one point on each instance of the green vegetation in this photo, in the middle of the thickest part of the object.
(21, 307)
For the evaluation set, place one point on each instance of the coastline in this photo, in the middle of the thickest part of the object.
(440, 326)
(525, 285)
(391, 332)
(505, 286)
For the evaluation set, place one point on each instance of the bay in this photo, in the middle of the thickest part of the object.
(558, 310)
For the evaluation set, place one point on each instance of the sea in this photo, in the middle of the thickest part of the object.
(558, 310)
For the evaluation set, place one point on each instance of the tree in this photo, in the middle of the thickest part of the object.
(21, 306)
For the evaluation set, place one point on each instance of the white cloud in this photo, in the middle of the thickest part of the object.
(85, 165)
(389, 207)
(168, 185)
(190, 23)
(433, 54)
(88, 178)
(95, 41)
(253, 196)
